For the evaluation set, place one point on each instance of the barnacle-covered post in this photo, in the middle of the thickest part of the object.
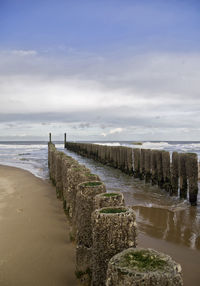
(108, 200)
(85, 205)
(114, 229)
(139, 266)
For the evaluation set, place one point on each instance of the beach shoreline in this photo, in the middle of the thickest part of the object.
(34, 242)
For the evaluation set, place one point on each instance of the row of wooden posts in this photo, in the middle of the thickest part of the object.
(176, 173)
(104, 229)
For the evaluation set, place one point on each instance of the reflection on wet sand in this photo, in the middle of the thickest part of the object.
(179, 226)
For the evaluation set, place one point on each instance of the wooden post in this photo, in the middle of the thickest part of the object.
(113, 230)
(166, 171)
(65, 139)
(159, 168)
(137, 154)
(183, 175)
(125, 269)
(147, 166)
(49, 137)
(154, 176)
(142, 164)
(192, 175)
(175, 173)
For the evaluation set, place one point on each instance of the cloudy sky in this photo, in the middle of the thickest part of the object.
(100, 70)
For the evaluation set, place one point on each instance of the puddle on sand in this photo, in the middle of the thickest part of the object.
(179, 226)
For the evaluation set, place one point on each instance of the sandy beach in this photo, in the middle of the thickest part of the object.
(34, 239)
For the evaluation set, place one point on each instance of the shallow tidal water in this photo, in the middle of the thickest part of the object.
(165, 223)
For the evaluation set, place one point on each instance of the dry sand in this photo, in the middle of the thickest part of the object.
(34, 233)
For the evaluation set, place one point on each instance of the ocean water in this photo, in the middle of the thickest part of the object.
(32, 156)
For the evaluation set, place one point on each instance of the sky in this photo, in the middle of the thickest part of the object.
(100, 70)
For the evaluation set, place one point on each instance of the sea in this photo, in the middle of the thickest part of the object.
(32, 155)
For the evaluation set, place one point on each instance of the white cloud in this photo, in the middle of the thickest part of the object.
(24, 52)
(113, 131)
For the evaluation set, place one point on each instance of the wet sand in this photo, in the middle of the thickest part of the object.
(34, 233)
(167, 238)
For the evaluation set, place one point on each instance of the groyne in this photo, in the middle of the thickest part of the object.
(101, 225)
(177, 173)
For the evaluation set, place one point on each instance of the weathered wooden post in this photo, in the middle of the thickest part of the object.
(147, 166)
(192, 174)
(49, 137)
(85, 205)
(136, 153)
(154, 176)
(51, 150)
(65, 139)
(76, 175)
(58, 174)
(141, 266)
(159, 168)
(114, 229)
(175, 173)
(129, 154)
(108, 200)
(53, 165)
(86, 193)
(67, 162)
(120, 158)
(166, 171)
(183, 175)
(142, 164)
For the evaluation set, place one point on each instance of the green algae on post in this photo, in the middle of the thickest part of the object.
(90, 175)
(139, 266)
(92, 184)
(110, 195)
(109, 200)
(142, 260)
(112, 210)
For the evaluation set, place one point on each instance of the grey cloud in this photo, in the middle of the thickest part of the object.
(84, 125)
(141, 91)
(106, 118)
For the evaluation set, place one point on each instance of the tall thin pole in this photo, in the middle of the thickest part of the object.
(50, 137)
(65, 139)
